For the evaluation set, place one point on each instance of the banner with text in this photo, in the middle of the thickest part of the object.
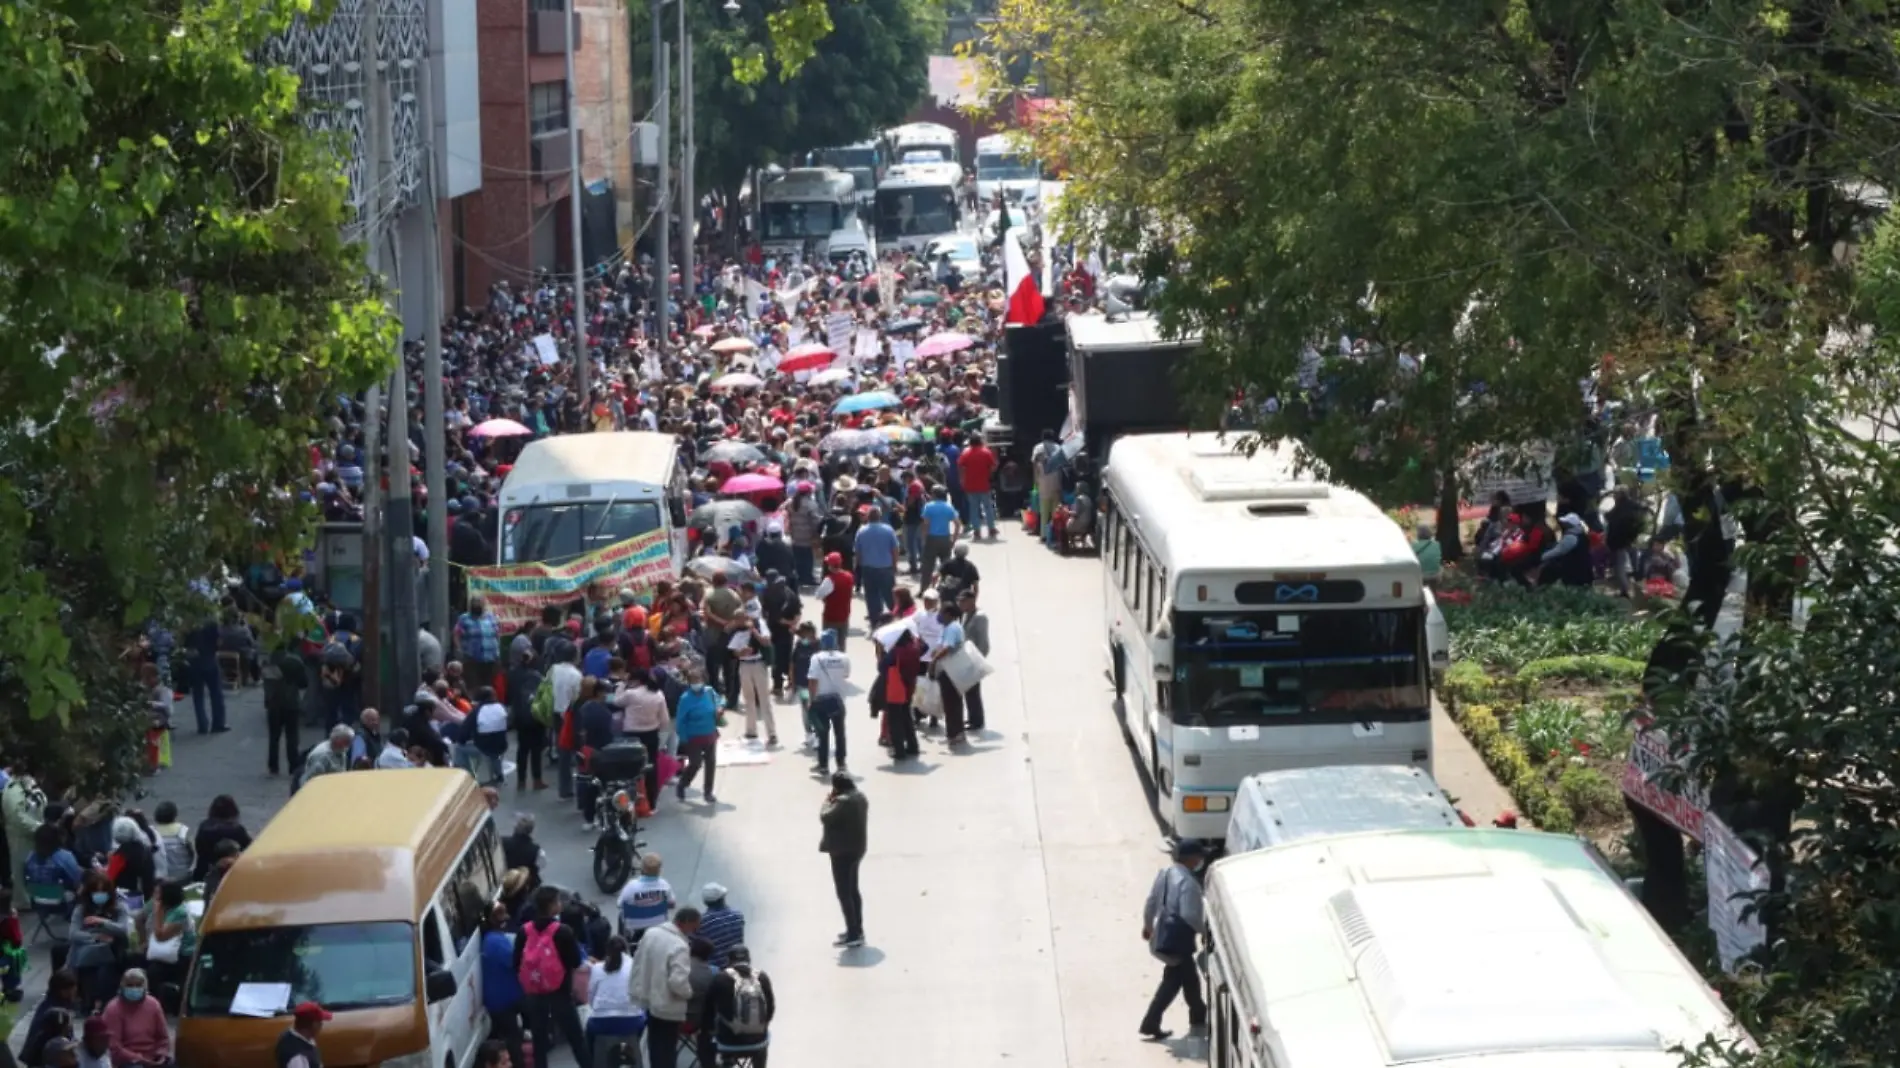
(1650, 760)
(516, 593)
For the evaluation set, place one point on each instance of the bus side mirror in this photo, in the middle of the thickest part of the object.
(439, 986)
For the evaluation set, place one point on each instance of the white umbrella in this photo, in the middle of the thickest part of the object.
(738, 380)
(831, 376)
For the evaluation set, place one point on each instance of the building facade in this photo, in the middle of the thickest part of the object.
(519, 222)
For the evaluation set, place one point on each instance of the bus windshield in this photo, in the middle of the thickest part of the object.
(1004, 167)
(552, 533)
(1279, 668)
(916, 153)
(908, 212)
(797, 219)
(342, 965)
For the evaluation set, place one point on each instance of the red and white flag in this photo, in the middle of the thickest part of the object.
(1025, 295)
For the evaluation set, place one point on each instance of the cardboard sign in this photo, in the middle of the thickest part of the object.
(1735, 874)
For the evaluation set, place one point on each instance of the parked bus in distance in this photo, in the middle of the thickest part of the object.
(1001, 166)
(917, 204)
(922, 142)
(799, 212)
(1258, 618)
(864, 162)
(1453, 948)
(576, 493)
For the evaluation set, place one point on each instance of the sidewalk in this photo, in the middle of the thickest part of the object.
(203, 767)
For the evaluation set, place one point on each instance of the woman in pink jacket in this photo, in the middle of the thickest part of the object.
(135, 1023)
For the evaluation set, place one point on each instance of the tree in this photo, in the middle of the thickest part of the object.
(866, 73)
(182, 305)
(1521, 186)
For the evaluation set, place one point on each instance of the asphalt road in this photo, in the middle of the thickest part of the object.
(1003, 886)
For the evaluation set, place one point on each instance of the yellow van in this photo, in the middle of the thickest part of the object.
(366, 895)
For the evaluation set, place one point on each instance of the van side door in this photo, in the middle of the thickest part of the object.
(462, 901)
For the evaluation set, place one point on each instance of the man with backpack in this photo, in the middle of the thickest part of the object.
(546, 954)
(662, 984)
(739, 1010)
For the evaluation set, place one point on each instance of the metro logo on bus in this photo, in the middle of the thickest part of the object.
(1307, 594)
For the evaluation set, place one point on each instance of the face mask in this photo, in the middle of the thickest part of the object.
(101, 898)
(133, 993)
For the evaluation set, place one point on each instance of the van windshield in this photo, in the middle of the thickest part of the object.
(552, 533)
(339, 965)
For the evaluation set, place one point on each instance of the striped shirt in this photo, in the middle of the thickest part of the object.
(724, 927)
(646, 902)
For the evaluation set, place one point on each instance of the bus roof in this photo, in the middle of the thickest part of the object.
(921, 176)
(1136, 331)
(998, 144)
(410, 827)
(922, 133)
(811, 183)
(569, 460)
(1205, 508)
(1465, 948)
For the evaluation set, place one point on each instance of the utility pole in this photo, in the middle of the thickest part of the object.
(662, 112)
(377, 93)
(434, 428)
(581, 368)
(688, 204)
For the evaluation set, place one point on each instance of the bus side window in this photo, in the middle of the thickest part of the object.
(1139, 587)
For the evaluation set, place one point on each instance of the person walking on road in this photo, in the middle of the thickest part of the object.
(845, 818)
(1172, 922)
(285, 680)
(662, 984)
(478, 644)
(829, 670)
(877, 548)
(696, 721)
(976, 631)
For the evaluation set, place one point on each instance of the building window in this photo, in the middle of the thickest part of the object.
(547, 107)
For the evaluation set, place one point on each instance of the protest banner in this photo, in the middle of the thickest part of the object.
(516, 593)
(1649, 759)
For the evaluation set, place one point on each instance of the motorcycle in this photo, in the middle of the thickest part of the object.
(615, 773)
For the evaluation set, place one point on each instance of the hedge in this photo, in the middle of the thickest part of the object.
(1506, 758)
(1596, 668)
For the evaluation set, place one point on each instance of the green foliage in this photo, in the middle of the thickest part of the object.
(1595, 668)
(1506, 758)
(1466, 682)
(180, 301)
(1589, 793)
(1551, 729)
(861, 66)
(1512, 647)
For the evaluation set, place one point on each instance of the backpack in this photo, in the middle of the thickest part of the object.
(541, 707)
(337, 654)
(748, 1005)
(541, 968)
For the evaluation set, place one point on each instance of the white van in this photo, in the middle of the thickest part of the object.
(1457, 948)
(1278, 807)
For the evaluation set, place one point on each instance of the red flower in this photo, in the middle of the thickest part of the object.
(1583, 747)
(1554, 753)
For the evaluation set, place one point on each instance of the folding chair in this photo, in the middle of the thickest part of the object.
(740, 1056)
(49, 902)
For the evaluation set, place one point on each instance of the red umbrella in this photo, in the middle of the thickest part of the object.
(799, 360)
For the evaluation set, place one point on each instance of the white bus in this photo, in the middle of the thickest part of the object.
(1456, 948)
(1257, 620)
(922, 142)
(576, 493)
(917, 204)
(1000, 166)
(863, 161)
(799, 212)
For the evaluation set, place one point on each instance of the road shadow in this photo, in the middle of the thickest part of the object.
(860, 957)
(1142, 776)
(914, 766)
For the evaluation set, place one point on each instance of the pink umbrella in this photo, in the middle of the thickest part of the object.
(809, 348)
(752, 483)
(500, 428)
(732, 344)
(705, 331)
(944, 344)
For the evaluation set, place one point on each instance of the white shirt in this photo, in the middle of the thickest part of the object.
(607, 991)
(929, 631)
(491, 718)
(566, 682)
(392, 757)
(829, 670)
(824, 589)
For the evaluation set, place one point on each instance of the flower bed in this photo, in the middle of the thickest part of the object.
(1541, 681)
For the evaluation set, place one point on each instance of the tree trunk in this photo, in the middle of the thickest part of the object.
(1450, 538)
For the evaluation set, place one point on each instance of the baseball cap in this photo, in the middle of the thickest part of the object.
(310, 1010)
(712, 892)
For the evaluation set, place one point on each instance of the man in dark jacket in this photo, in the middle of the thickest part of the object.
(774, 552)
(285, 679)
(724, 1017)
(845, 818)
(781, 605)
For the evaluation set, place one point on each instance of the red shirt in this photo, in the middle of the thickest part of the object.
(976, 465)
(838, 601)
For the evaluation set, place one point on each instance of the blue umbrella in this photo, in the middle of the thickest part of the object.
(865, 402)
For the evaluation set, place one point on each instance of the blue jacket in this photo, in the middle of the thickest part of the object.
(698, 713)
(501, 988)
